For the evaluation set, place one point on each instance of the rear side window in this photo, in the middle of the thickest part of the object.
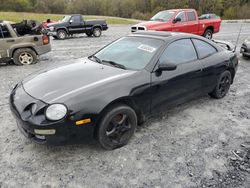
(191, 16)
(180, 51)
(203, 48)
(4, 32)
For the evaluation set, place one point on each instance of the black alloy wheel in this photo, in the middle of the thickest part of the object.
(117, 127)
(223, 85)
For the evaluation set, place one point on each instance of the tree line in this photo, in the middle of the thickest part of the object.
(138, 9)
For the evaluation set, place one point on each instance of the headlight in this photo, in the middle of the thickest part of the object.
(56, 112)
(51, 28)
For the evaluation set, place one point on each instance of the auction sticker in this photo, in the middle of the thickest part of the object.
(146, 48)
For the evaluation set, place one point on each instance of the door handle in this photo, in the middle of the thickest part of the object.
(12, 40)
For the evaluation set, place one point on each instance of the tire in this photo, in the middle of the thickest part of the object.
(208, 34)
(97, 32)
(222, 86)
(24, 56)
(118, 133)
(62, 34)
(89, 34)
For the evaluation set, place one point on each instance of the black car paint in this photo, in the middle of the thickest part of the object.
(88, 88)
(80, 27)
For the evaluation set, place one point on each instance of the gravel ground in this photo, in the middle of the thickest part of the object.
(203, 143)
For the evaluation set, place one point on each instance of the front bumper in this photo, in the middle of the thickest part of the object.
(33, 124)
(52, 33)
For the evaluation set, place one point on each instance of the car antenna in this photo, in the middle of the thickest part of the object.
(238, 37)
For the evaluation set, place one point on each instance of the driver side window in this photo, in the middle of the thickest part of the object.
(181, 15)
(180, 51)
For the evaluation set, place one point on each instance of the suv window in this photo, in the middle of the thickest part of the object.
(180, 51)
(191, 16)
(4, 32)
(181, 15)
(204, 49)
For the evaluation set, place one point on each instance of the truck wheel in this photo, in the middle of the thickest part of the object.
(61, 34)
(97, 32)
(89, 34)
(208, 34)
(24, 56)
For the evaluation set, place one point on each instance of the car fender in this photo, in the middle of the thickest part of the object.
(62, 28)
(14, 47)
(94, 102)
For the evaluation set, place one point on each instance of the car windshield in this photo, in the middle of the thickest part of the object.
(164, 16)
(66, 19)
(129, 52)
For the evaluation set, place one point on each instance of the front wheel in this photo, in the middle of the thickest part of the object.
(116, 127)
(61, 34)
(97, 32)
(208, 34)
(24, 56)
(222, 86)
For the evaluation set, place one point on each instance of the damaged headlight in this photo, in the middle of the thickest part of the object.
(56, 112)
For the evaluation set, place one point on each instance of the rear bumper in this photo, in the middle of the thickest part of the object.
(42, 131)
(43, 49)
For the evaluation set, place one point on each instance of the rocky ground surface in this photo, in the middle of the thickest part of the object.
(203, 143)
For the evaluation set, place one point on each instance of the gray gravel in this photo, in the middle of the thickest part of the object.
(203, 143)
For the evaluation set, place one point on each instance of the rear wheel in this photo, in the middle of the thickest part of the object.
(97, 32)
(117, 126)
(222, 86)
(208, 34)
(61, 34)
(24, 56)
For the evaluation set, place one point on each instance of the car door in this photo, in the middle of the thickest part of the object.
(213, 64)
(177, 86)
(76, 24)
(180, 26)
(192, 24)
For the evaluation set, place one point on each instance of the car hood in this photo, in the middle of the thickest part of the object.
(52, 86)
(152, 24)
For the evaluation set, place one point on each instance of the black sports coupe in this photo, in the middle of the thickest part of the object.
(106, 95)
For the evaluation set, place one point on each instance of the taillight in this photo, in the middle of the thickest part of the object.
(45, 39)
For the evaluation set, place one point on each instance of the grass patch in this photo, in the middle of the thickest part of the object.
(19, 16)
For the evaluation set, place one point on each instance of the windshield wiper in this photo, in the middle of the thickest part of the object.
(95, 58)
(114, 64)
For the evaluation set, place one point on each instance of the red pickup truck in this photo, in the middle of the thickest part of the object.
(181, 20)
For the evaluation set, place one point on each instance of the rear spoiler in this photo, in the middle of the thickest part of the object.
(226, 45)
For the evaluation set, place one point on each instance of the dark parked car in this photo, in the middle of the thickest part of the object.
(107, 94)
(75, 24)
(245, 48)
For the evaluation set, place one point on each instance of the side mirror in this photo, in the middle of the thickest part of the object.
(166, 66)
(178, 19)
(70, 21)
